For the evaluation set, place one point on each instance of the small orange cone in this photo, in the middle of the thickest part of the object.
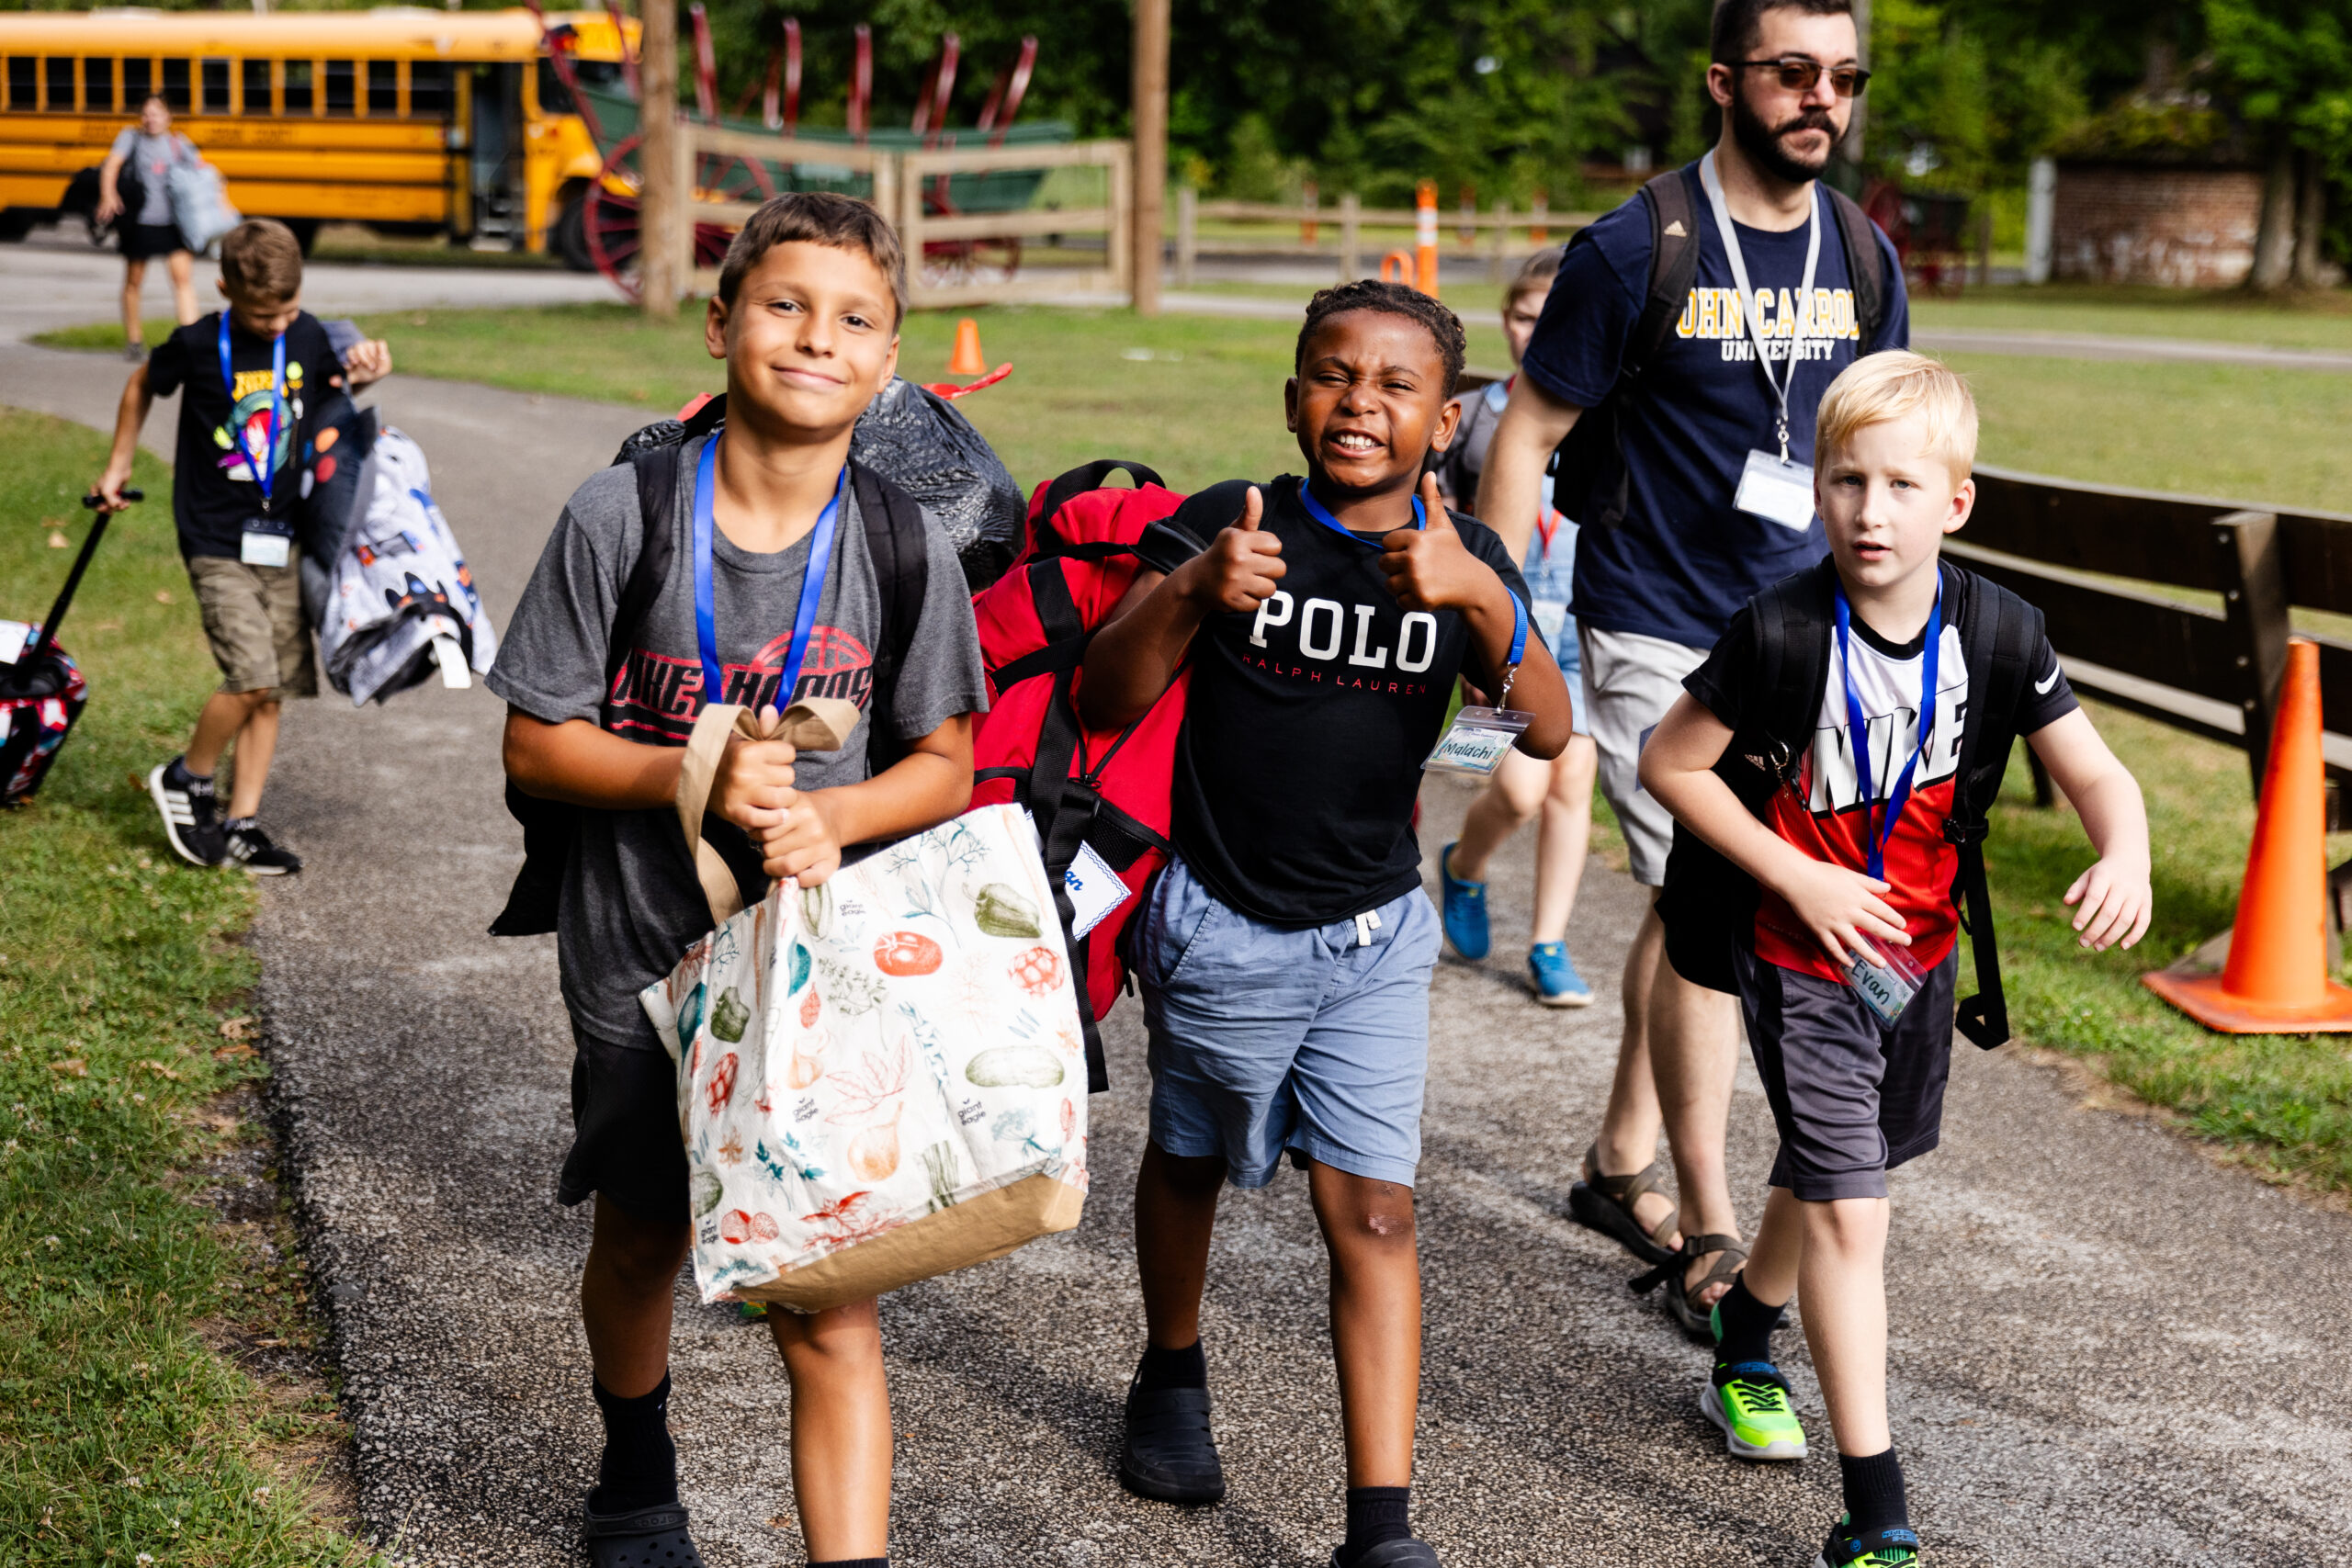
(2275, 980)
(967, 360)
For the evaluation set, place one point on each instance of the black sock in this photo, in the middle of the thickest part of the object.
(1747, 1326)
(1375, 1513)
(639, 1468)
(1874, 1492)
(190, 779)
(1187, 1368)
(850, 1563)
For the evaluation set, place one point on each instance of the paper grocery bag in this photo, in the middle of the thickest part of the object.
(881, 1078)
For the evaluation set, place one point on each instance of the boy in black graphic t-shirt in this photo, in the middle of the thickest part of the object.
(1285, 958)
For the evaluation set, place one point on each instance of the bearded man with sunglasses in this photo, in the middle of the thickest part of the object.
(1675, 368)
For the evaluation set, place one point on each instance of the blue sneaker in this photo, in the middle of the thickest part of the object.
(1557, 984)
(1466, 909)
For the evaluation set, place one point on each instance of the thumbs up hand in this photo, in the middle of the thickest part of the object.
(1430, 568)
(1241, 566)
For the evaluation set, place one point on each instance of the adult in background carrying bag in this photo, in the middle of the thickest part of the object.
(1685, 344)
(135, 196)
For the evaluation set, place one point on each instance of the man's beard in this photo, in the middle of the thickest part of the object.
(1763, 145)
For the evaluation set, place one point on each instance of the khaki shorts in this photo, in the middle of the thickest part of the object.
(1629, 682)
(252, 617)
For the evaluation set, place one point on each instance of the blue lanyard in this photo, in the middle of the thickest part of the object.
(1420, 520)
(812, 581)
(1873, 835)
(263, 468)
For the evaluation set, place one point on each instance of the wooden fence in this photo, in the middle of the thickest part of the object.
(1492, 233)
(899, 183)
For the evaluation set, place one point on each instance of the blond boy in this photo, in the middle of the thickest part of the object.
(1844, 972)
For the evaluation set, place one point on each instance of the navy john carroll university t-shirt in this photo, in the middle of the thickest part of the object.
(1686, 560)
(1308, 719)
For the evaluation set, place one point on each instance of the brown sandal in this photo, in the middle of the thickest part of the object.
(1606, 1203)
(1682, 1302)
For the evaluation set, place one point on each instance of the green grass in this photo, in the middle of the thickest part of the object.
(121, 1433)
(2284, 1102)
(2322, 321)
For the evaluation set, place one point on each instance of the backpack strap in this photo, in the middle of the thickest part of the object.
(897, 539)
(1998, 639)
(1865, 265)
(1088, 476)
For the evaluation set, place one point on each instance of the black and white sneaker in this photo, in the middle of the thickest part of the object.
(191, 814)
(251, 848)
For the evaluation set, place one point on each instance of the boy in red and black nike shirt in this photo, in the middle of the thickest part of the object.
(1851, 862)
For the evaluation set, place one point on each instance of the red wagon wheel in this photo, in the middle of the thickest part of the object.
(609, 218)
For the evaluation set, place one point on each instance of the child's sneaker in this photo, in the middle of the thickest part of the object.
(1169, 1454)
(1897, 1548)
(1750, 1400)
(252, 848)
(1557, 984)
(191, 814)
(1466, 909)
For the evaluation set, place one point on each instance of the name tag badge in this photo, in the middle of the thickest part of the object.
(1550, 614)
(1776, 491)
(16, 640)
(265, 549)
(1474, 742)
(1885, 979)
(1094, 890)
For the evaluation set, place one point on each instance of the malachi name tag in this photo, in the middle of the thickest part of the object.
(265, 549)
(1094, 890)
(1476, 741)
(1777, 492)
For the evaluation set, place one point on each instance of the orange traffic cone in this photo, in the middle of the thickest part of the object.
(967, 360)
(2275, 980)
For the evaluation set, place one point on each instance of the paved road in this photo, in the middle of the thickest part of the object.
(2106, 1351)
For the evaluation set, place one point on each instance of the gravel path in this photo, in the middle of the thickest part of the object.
(2106, 1349)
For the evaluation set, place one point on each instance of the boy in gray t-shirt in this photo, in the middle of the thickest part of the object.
(805, 317)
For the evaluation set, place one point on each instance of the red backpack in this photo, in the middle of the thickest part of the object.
(1100, 797)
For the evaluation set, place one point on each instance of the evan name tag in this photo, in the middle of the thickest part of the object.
(1776, 491)
(265, 549)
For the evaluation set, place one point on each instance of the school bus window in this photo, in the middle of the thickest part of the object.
(298, 86)
(339, 86)
(383, 87)
(97, 83)
(176, 84)
(61, 82)
(256, 95)
(216, 86)
(24, 82)
(428, 88)
(138, 77)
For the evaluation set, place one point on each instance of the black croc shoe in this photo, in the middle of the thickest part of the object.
(1169, 1454)
(648, 1537)
(1395, 1554)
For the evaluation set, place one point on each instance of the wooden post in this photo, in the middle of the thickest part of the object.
(1150, 183)
(1127, 265)
(2257, 608)
(1188, 234)
(662, 225)
(1351, 238)
(1311, 199)
(1503, 241)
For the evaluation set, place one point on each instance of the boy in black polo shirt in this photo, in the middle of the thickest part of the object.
(1286, 957)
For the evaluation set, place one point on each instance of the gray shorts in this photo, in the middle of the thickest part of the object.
(1629, 682)
(1265, 1040)
(1852, 1099)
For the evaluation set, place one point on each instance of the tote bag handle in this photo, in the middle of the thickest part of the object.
(816, 723)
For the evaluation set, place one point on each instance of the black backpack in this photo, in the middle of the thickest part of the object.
(1589, 465)
(1708, 903)
(895, 538)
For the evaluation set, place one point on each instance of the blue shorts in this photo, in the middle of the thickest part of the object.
(1264, 1039)
(1569, 653)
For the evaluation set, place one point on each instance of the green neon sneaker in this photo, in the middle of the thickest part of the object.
(1896, 1548)
(1750, 1400)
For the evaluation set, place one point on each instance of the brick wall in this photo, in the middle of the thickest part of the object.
(2180, 228)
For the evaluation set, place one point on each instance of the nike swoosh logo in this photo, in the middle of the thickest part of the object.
(2042, 688)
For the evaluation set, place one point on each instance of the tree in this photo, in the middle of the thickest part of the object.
(2287, 65)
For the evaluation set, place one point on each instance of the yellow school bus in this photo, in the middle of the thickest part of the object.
(415, 121)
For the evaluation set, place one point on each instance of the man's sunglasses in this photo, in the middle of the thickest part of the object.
(1799, 75)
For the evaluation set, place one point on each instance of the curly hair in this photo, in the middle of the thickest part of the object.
(1395, 300)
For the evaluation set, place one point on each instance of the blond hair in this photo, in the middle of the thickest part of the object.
(260, 259)
(1896, 384)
